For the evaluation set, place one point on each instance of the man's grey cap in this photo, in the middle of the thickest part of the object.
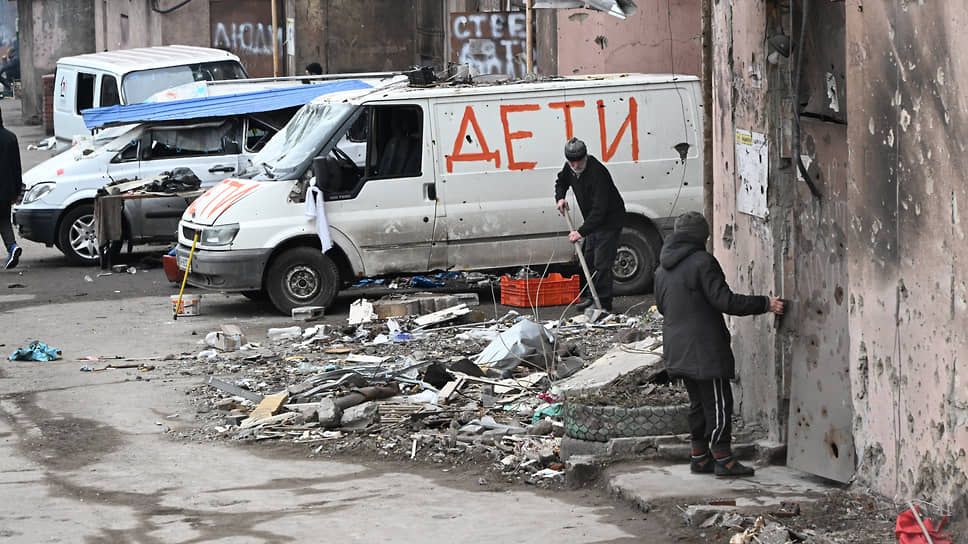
(694, 225)
(575, 150)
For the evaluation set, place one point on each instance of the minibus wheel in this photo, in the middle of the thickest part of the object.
(635, 263)
(301, 276)
(76, 235)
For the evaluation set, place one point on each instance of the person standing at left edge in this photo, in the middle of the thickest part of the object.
(10, 187)
(604, 212)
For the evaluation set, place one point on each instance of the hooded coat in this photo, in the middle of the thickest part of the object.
(10, 175)
(692, 295)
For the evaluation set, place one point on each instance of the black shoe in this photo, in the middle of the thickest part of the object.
(584, 303)
(13, 258)
(702, 464)
(730, 467)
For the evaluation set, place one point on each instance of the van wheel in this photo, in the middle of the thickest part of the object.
(635, 263)
(302, 276)
(76, 237)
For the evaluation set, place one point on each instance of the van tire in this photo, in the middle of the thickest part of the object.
(635, 263)
(301, 276)
(76, 236)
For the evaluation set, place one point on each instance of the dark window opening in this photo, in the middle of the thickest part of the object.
(395, 142)
(85, 91)
(109, 92)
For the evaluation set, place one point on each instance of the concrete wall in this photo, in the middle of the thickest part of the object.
(662, 37)
(49, 30)
(746, 245)
(122, 24)
(907, 196)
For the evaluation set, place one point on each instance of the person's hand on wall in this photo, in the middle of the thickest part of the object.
(776, 305)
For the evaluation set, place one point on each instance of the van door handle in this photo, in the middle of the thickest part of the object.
(221, 168)
(431, 191)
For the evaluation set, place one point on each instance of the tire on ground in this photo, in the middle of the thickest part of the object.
(635, 262)
(602, 423)
(301, 276)
(75, 235)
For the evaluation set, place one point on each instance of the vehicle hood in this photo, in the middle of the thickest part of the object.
(206, 209)
(69, 165)
(87, 157)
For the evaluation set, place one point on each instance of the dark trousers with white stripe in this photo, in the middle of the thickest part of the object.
(710, 414)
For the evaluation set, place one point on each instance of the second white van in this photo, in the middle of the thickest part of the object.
(129, 76)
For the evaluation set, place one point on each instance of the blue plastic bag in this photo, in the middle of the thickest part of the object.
(36, 351)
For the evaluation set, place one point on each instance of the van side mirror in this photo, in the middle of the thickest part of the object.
(323, 180)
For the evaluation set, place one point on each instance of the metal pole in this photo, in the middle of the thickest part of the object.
(530, 35)
(275, 43)
(707, 116)
(584, 265)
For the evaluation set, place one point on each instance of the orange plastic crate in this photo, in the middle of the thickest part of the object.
(551, 291)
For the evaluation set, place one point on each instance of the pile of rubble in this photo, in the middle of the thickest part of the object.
(448, 386)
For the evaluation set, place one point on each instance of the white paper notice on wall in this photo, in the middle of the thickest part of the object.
(751, 169)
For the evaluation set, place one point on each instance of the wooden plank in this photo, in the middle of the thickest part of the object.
(269, 406)
(449, 389)
(271, 420)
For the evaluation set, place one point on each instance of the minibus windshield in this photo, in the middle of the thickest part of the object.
(299, 141)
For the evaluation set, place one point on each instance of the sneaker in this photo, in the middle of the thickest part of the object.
(702, 464)
(584, 303)
(14, 257)
(730, 467)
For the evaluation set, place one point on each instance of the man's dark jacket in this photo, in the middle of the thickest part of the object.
(692, 295)
(10, 176)
(600, 202)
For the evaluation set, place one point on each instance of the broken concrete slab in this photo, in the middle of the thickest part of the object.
(328, 414)
(582, 470)
(618, 361)
(361, 415)
(643, 483)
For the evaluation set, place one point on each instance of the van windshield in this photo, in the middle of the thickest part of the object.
(137, 86)
(297, 143)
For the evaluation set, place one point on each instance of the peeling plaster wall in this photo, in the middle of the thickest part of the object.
(746, 245)
(906, 199)
(662, 37)
(49, 30)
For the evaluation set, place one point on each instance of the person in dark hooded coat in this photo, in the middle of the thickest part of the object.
(11, 185)
(692, 295)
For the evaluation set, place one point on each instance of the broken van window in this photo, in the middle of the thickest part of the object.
(197, 140)
(299, 141)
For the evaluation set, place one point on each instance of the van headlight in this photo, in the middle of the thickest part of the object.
(38, 191)
(219, 236)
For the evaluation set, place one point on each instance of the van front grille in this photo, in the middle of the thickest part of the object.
(189, 232)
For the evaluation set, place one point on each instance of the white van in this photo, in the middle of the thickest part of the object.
(213, 136)
(129, 76)
(455, 178)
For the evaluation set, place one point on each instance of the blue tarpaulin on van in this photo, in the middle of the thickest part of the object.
(216, 106)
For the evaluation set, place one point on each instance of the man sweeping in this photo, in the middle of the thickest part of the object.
(604, 212)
